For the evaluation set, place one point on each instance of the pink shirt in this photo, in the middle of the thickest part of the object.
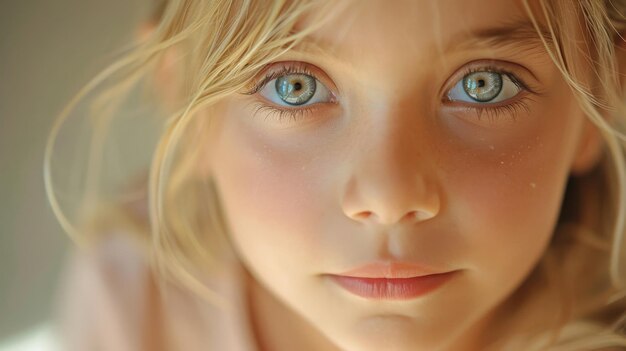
(111, 300)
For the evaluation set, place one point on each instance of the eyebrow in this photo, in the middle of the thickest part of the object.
(518, 33)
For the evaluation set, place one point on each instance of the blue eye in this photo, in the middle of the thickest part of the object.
(295, 89)
(483, 87)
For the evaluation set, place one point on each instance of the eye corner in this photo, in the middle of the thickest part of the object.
(445, 99)
(249, 89)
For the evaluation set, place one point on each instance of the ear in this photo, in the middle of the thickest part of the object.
(591, 144)
(589, 150)
(167, 74)
(168, 88)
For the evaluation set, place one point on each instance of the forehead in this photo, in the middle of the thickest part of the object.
(357, 29)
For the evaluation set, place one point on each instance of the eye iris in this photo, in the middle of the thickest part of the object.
(483, 86)
(295, 89)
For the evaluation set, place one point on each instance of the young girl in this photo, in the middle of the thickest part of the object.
(362, 175)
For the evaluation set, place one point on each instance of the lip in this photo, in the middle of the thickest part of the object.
(392, 280)
(390, 269)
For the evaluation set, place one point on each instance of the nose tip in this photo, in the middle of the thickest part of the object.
(412, 205)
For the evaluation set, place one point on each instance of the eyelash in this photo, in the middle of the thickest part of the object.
(510, 109)
(278, 111)
(492, 112)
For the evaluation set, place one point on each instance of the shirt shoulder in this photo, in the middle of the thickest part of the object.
(111, 299)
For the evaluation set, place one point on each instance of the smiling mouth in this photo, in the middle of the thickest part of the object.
(393, 288)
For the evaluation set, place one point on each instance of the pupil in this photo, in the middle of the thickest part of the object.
(481, 83)
(297, 86)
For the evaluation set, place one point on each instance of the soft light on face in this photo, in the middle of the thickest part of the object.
(409, 140)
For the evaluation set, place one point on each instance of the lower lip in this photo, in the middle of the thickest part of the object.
(392, 288)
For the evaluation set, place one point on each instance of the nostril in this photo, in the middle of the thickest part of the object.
(363, 215)
(412, 216)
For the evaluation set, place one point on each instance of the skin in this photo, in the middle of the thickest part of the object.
(391, 171)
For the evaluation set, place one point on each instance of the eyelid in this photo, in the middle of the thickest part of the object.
(511, 70)
(277, 69)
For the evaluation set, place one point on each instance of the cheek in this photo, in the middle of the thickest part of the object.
(507, 195)
(506, 211)
(271, 198)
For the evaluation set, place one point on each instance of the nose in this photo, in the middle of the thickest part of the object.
(391, 183)
(387, 201)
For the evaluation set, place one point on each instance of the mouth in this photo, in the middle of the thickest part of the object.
(392, 280)
(392, 288)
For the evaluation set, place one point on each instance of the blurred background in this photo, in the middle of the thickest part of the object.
(48, 50)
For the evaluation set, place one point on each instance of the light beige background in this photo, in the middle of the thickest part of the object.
(48, 49)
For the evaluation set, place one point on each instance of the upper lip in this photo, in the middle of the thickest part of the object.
(391, 270)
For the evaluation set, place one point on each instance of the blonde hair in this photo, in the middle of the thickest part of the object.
(229, 41)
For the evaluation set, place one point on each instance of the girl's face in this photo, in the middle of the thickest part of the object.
(437, 134)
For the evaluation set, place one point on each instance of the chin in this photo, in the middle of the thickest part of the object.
(390, 343)
(391, 333)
